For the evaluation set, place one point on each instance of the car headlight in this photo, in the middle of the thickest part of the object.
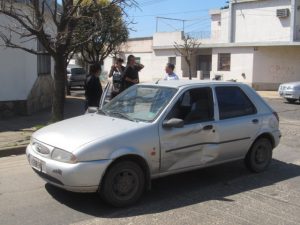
(63, 156)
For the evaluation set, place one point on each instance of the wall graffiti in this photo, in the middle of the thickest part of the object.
(280, 73)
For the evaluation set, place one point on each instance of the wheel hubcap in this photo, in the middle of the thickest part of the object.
(125, 183)
(261, 155)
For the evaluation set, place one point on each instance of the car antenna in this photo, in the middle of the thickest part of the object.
(157, 81)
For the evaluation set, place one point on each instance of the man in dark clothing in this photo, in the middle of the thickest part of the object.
(93, 88)
(131, 73)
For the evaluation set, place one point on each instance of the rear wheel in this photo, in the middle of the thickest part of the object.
(123, 184)
(290, 100)
(259, 156)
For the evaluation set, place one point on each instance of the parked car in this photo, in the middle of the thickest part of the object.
(290, 91)
(154, 130)
(76, 76)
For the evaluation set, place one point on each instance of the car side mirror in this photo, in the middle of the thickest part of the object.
(173, 123)
(91, 110)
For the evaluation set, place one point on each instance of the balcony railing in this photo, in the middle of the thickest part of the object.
(204, 35)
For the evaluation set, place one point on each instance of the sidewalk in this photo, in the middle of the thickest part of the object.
(15, 132)
(269, 94)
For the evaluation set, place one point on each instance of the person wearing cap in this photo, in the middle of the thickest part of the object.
(170, 72)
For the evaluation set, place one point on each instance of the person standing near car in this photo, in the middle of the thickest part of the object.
(116, 73)
(131, 73)
(93, 88)
(170, 72)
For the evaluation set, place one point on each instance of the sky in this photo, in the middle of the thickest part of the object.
(195, 12)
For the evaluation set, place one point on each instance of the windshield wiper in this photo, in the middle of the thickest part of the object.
(122, 115)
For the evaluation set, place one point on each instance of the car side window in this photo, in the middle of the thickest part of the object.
(233, 102)
(194, 106)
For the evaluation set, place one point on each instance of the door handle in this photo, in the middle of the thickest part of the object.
(255, 121)
(208, 127)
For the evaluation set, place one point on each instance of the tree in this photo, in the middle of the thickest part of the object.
(54, 26)
(187, 50)
(114, 32)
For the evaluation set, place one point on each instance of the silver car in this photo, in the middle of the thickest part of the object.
(154, 130)
(290, 91)
(76, 76)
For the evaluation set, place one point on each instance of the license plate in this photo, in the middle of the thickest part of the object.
(37, 164)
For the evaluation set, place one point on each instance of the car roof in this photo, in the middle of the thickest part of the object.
(185, 82)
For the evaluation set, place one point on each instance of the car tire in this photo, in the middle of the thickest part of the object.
(291, 100)
(123, 184)
(259, 156)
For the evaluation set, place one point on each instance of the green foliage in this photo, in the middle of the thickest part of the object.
(109, 30)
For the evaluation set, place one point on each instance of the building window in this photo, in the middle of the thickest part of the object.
(43, 61)
(138, 60)
(172, 60)
(224, 62)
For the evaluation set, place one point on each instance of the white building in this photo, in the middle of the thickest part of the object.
(25, 79)
(253, 41)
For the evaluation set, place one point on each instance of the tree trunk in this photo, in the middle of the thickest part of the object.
(190, 71)
(59, 88)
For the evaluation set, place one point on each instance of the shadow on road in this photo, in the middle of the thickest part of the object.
(216, 183)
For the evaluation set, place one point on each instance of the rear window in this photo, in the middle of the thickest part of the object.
(77, 71)
(233, 102)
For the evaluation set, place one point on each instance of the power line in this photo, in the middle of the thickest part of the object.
(172, 13)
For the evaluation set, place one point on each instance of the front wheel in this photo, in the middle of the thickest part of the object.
(259, 156)
(123, 184)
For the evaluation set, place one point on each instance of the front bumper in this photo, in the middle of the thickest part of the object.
(78, 177)
(290, 94)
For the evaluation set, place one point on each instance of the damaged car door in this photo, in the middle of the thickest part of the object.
(187, 132)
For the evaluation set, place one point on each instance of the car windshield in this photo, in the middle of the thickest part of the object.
(77, 71)
(140, 103)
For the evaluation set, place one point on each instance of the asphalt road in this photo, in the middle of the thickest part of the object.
(226, 194)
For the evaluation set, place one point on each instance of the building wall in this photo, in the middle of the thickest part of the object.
(162, 39)
(275, 65)
(241, 63)
(17, 75)
(160, 59)
(256, 21)
(219, 26)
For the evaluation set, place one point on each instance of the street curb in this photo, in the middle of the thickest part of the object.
(4, 152)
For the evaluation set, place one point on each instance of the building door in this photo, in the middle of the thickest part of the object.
(204, 65)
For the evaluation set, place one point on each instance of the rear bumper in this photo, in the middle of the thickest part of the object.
(75, 83)
(79, 177)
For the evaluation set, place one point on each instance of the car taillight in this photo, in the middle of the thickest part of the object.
(276, 115)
